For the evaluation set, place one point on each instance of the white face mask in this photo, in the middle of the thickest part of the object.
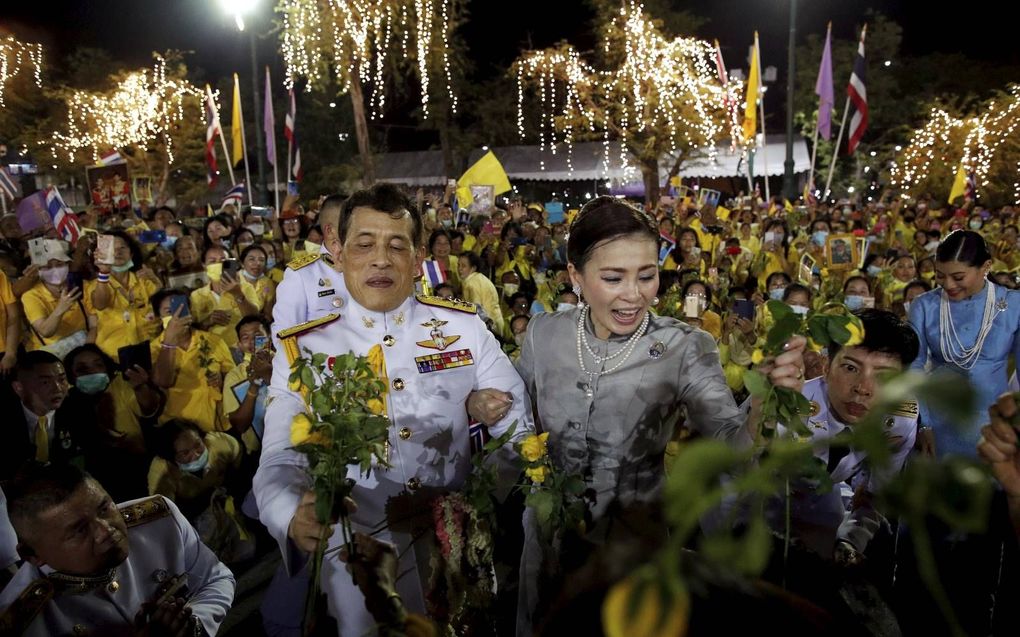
(799, 309)
(257, 229)
(519, 339)
(54, 276)
(906, 307)
(509, 289)
(564, 307)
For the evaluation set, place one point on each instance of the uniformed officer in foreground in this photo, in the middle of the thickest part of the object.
(436, 352)
(96, 568)
(839, 400)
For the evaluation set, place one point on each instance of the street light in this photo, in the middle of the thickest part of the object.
(789, 183)
(239, 9)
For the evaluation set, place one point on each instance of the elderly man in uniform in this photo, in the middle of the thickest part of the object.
(436, 353)
(95, 568)
(844, 521)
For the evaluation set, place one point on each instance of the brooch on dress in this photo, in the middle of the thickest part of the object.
(1001, 305)
(656, 351)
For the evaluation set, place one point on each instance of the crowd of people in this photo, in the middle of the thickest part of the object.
(155, 373)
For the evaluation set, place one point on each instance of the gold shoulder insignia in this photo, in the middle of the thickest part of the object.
(23, 611)
(302, 261)
(815, 409)
(450, 304)
(301, 328)
(907, 409)
(147, 510)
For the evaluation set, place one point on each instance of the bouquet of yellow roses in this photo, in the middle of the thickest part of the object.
(555, 496)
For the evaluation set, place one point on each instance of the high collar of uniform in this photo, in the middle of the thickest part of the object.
(364, 318)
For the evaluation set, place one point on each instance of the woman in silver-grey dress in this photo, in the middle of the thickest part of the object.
(608, 379)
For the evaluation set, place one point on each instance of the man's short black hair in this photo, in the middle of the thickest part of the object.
(384, 198)
(885, 333)
(252, 318)
(157, 299)
(28, 361)
(37, 487)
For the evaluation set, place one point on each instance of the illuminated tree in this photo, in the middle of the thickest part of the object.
(985, 142)
(16, 56)
(358, 40)
(656, 95)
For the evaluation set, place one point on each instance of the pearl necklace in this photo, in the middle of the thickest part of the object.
(625, 351)
(949, 341)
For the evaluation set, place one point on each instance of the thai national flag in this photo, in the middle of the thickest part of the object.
(7, 186)
(433, 273)
(212, 119)
(63, 217)
(112, 157)
(234, 196)
(859, 98)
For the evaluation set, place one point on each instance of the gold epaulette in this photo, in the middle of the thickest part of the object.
(147, 510)
(907, 409)
(302, 261)
(301, 328)
(450, 304)
(23, 611)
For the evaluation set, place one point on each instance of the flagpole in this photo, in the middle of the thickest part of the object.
(276, 172)
(835, 149)
(244, 142)
(3, 200)
(814, 155)
(761, 111)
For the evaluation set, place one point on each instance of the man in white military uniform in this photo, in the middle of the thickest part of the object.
(96, 568)
(436, 352)
(840, 399)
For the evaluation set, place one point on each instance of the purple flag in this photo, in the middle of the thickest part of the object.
(824, 90)
(269, 123)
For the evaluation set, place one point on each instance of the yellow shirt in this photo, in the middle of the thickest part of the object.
(167, 479)
(262, 290)
(6, 298)
(126, 414)
(191, 396)
(204, 301)
(238, 375)
(39, 303)
(129, 318)
(752, 243)
(480, 290)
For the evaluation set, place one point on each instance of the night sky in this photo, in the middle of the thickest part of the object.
(131, 29)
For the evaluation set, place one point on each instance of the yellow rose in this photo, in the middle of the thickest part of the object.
(757, 356)
(376, 406)
(533, 447)
(813, 346)
(856, 332)
(300, 428)
(648, 617)
(538, 474)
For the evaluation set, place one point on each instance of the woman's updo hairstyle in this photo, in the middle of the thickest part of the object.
(965, 246)
(601, 220)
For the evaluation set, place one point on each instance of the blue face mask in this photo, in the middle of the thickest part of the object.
(776, 294)
(92, 383)
(854, 302)
(874, 270)
(799, 309)
(819, 237)
(564, 307)
(270, 263)
(197, 465)
(168, 244)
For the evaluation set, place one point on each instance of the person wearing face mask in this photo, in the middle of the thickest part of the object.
(55, 313)
(519, 328)
(696, 299)
(857, 293)
(890, 287)
(254, 280)
(116, 409)
(221, 304)
(914, 289)
(117, 299)
(798, 297)
(775, 252)
(478, 289)
(194, 468)
(247, 386)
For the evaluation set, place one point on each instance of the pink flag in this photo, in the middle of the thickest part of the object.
(823, 89)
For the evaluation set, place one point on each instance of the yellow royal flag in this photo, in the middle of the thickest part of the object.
(787, 206)
(487, 171)
(753, 84)
(235, 124)
(959, 184)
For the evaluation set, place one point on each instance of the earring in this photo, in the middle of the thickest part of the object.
(655, 300)
(577, 291)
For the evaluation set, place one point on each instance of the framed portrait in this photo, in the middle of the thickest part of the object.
(109, 187)
(863, 245)
(841, 252)
(805, 269)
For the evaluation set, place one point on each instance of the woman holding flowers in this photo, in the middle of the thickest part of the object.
(609, 381)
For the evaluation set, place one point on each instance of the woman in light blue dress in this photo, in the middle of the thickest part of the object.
(968, 326)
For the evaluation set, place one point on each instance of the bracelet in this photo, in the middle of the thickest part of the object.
(103, 278)
(165, 346)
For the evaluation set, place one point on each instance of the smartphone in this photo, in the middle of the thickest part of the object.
(693, 306)
(261, 342)
(292, 188)
(178, 301)
(262, 211)
(106, 249)
(488, 228)
(770, 237)
(231, 267)
(138, 354)
(744, 309)
(696, 251)
(713, 273)
(152, 236)
(868, 302)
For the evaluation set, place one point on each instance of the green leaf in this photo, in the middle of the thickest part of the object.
(779, 310)
(756, 383)
(836, 325)
(781, 332)
(818, 329)
(319, 361)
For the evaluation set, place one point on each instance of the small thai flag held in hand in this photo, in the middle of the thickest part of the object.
(7, 186)
(234, 196)
(64, 220)
(433, 273)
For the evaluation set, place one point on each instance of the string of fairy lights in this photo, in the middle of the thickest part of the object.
(15, 57)
(972, 142)
(353, 38)
(661, 84)
(143, 108)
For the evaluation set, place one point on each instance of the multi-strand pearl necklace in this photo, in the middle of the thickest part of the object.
(950, 342)
(623, 353)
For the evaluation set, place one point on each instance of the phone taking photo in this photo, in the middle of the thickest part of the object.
(261, 342)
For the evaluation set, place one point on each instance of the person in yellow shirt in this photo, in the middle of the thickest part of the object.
(439, 251)
(250, 379)
(253, 276)
(478, 289)
(118, 298)
(54, 311)
(10, 325)
(219, 306)
(189, 365)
